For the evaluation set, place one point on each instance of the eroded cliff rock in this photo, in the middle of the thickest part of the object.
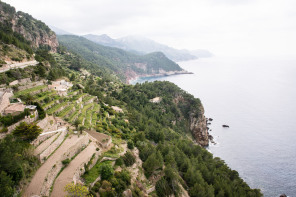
(197, 122)
(198, 127)
(35, 31)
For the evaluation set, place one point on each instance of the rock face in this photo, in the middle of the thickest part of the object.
(197, 122)
(198, 127)
(35, 31)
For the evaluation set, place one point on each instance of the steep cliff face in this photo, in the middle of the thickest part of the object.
(198, 127)
(197, 120)
(35, 31)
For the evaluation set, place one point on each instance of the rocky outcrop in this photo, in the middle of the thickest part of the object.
(197, 121)
(198, 127)
(35, 31)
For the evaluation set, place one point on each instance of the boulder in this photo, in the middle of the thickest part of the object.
(226, 126)
(210, 119)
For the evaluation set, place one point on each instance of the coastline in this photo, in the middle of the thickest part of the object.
(131, 80)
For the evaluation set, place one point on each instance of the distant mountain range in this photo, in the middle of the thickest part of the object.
(141, 45)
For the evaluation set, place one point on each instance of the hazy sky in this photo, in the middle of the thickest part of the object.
(225, 27)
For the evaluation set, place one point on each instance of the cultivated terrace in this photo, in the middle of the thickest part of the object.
(71, 126)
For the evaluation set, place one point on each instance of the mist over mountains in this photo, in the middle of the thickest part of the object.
(141, 45)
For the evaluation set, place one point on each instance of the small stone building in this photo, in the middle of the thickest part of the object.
(14, 109)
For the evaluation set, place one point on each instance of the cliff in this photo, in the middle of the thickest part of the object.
(195, 116)
(35, 31)
(198, 127)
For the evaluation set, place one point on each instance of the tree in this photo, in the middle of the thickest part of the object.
(106, 189)
(76, 123)
(129, 159)
(154, 162)
(27, 132)
(130, 145)
(162, 188)
(28, 98)
(81, 128)
(106, 171)
(76, 190)
(6, 185)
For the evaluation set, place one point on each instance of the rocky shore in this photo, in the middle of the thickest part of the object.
(130, 80)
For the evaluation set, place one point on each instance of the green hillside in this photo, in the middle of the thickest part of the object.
(151, 149)
(122, 63)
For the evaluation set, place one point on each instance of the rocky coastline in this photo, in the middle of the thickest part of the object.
(199, 129)
(130, 80)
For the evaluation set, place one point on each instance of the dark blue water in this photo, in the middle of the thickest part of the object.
(257, 99)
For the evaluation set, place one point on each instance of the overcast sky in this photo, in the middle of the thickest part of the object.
(225, 27)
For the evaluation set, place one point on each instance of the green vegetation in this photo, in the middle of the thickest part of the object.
(55, 108)
(160, 131)
(10, 120)
(184, 163)
(91, 175)
(17, 163)
(76, 190)
(129, 159)
(30, 90)
(112, 60)
(65, 111)
(27, 132)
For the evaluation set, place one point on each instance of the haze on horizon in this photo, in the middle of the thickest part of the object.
(252, 28)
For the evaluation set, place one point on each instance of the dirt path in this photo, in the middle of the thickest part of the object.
(68, 173)
(36, 183)
(45, 144)
(18, 65)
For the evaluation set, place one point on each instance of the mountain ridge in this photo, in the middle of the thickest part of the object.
(125, 64)
(142, 45)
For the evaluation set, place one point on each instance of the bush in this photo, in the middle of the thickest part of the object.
(10, 120)
(106, 171)
(6, 185)
(162, 188)
(129, 159)
(41, 112)
(130, 145)
(76, 190)
(4, 130)
(119, 162)
(66, 162)
(27, 132)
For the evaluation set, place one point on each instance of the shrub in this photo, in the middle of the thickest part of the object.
(27, 132)
(10, 120)
(4, 130)
(76, 190)
(130, 145)
(129, 159)
(119, 161)
(66, 162)
(106, 171)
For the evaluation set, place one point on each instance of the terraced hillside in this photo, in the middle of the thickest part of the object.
(68, 107)
(64, 153)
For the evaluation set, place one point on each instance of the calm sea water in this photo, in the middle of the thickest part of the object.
(257, 99)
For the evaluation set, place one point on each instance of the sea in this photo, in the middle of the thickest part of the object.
(257, 99)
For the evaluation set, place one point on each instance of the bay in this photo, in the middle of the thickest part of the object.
(256, 98)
